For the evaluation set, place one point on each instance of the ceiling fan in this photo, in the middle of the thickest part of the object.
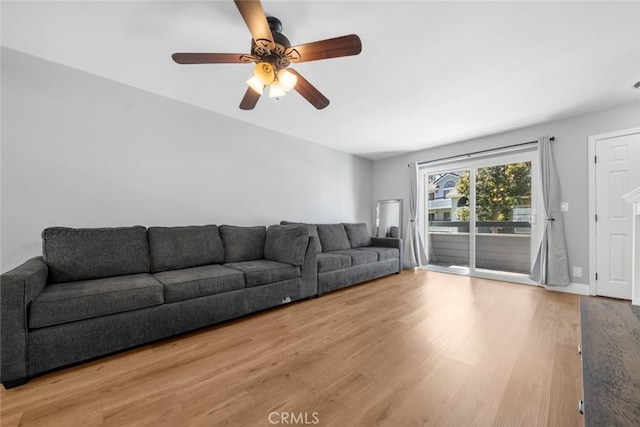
(272, 53)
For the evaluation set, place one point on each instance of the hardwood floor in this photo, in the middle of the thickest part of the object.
(420, 348)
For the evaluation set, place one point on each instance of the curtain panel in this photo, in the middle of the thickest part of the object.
(414, 244)
(551, 266)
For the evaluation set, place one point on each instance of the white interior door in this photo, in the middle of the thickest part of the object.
(617, 171)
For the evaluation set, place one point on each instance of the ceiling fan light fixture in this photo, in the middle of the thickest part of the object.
(276, 90)
(287, 80)
(256, 84)
(264, 72)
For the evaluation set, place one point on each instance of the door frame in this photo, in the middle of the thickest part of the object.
(591, 149)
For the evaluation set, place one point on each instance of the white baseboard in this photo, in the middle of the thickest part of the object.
(573, 288)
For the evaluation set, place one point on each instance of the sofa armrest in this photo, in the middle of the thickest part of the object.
(309, 270)
(18, 288)
(390, 242)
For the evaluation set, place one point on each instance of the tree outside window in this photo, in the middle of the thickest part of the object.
(499, 190)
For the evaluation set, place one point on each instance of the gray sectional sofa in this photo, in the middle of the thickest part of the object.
(98, 291)
(348, 255)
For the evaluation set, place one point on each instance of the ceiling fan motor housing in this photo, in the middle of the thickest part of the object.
(275, 56)
(275, 25)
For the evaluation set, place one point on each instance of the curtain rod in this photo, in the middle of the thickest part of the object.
(480, 152)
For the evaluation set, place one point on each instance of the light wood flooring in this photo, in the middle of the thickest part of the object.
(420, 348)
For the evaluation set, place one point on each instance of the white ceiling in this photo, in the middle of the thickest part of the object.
(430, 73)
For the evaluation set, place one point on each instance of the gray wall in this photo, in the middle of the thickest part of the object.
(82, 151)
(390, 176)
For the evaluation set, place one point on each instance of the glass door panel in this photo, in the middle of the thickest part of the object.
(502, 212)
(447, 221)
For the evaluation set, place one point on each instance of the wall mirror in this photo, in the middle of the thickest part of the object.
(389, 218)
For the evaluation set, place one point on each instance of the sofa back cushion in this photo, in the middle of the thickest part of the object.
(74, 254)
(313, 232)
(286, 243)
(175, 248)
(243, 243)
(333, 237)
(358, 235)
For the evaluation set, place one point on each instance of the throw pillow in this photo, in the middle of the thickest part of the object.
(313, 232)
(286, 243)
(358, 235)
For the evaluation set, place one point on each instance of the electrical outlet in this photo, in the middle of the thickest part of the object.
(564, 207)
(577, 271)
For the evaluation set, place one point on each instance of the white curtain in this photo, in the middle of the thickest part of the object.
(551, 266)
(414, 255)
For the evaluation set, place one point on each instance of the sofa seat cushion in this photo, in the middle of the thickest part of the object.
(383, 253)
(358, 257)
(331, 262)
(69, 302)
(262, 272)
(189, 283)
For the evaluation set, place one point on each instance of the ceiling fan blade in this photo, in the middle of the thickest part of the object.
(211, 58)
(309, 92)
(249, 100)
(325, 49)
(256, 20)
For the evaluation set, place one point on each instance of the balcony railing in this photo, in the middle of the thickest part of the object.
(463, 226)
(440, 204)
(500, 245)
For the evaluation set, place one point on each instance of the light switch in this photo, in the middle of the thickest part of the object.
(564, 207)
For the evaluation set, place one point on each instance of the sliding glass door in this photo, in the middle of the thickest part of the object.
(447, 220)
(480, 214)
(503, 212)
